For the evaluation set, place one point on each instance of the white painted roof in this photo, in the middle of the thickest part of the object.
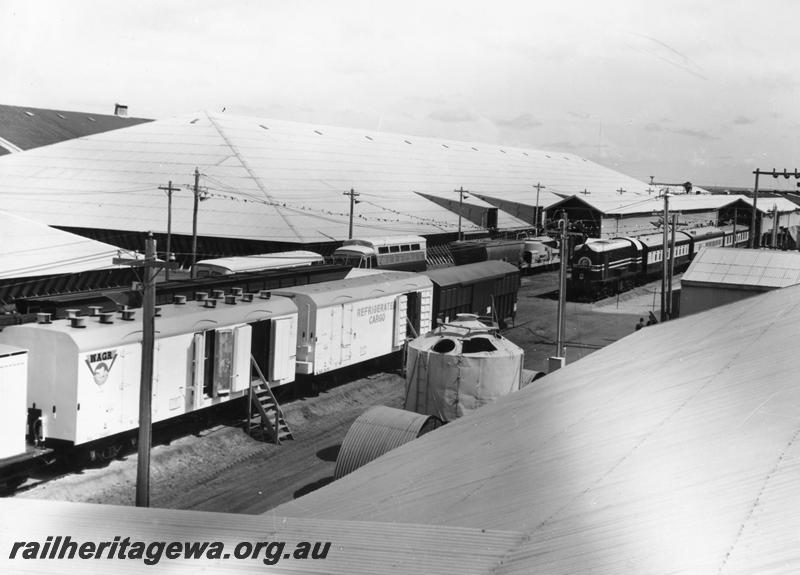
(173, 320)
(744, 267)
(29, 248)
(274, 180)
(673, 450)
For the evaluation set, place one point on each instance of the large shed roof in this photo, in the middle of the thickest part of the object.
(24, 128)
(30, 248)
(674, 450)
(744, 268)
(274, 180)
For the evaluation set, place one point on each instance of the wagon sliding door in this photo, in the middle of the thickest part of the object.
(283, 353)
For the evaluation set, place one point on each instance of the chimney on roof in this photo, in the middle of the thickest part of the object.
(121, 110)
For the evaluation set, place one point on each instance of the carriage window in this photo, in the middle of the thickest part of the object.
(415, 247)
(394, 249)
(383, 250)
(405, 248)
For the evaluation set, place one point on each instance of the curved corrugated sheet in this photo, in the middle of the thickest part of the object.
(377, 431)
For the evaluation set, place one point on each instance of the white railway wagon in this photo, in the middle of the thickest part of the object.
(257, 263)
(13, 381)
(84, 374)
(345, 322)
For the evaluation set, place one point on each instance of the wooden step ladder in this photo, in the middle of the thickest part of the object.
(264, 415)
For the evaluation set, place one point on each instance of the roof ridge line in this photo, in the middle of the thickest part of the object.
(252, 175)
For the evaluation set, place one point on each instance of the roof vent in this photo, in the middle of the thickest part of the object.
(120, 110)
(237, 291)
(31, 114)
(128, 314)
(247, 297)
(179, 299)
(94, 310)
(210, 303)
(265, 294)
(200, 296)
(72, 313)
(230, 299)
(107, 317)
(79, 322)
(218, 293)
(43, 318)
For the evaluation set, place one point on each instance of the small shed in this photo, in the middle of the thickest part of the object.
(718, 276)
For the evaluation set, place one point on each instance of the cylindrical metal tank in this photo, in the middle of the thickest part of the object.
(459, 367)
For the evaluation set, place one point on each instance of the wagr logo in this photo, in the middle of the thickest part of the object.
(100, 364)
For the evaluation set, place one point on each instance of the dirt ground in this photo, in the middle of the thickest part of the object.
(223, 469)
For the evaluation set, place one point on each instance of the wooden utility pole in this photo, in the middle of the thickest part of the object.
(169, 189)
(671, 265)
(461, 195)
(353, 201)
(536, 221)
(150, 268)
(753, 243)
(561, 349)
(194, 221)
(665, 258)
(774, 234)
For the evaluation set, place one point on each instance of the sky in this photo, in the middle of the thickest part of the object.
(705, 91)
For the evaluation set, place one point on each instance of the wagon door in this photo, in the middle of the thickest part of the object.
(242, 345)
(347, 333)
(400, 320)
(335, 348)
(283, 353)
(194, 393)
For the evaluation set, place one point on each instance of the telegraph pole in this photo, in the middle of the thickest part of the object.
(538, 187)
(561, 349)
(753, 237)
(194, 221)
(665, 259)
(169, 189)
(461, 195)
(671, 265)
(774, 234)
(150, 269)
(353, 201)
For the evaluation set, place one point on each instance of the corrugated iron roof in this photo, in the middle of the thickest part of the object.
(674, 450)
(24, 128)
(357, 287)
(173, 320)
(30, 249)
(743, 267)
(356, 547)
(467, 273)
(273, 180)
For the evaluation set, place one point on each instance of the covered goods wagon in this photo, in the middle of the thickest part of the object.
(356, 319)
